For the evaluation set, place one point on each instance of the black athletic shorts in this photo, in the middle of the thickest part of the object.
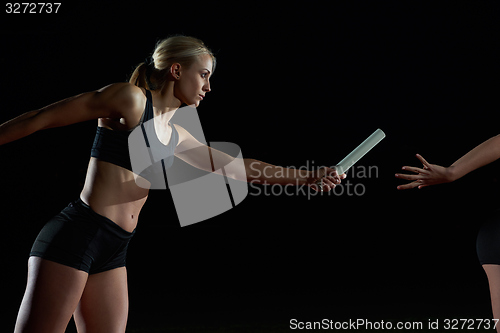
(488, 240)
(80, 238)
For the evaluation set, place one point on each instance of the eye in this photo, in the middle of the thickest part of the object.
(204, 75)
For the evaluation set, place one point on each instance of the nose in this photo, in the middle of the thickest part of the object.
(206, 87)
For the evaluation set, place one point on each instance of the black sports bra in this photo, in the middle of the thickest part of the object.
(112, 146)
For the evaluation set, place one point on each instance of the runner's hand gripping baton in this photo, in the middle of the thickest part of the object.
(356, 154)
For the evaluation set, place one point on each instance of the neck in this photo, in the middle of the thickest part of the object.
(164, 100)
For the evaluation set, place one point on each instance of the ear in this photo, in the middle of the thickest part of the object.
(175, 70)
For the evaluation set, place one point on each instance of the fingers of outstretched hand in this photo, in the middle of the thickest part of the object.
(421, 179)
(414, 169)
(409, 177)
(414, 184)
(422, 159)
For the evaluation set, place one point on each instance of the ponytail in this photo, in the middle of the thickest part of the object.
(138, 77)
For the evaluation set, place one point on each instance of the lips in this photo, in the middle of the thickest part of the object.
(202, 97)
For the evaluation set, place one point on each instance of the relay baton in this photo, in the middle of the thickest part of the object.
(357, 154)
(360, 151)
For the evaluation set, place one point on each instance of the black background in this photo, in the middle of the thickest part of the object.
(294, 83)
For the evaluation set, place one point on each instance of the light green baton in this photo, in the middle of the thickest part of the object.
(357, 153)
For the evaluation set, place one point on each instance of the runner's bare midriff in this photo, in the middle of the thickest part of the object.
(111, 191)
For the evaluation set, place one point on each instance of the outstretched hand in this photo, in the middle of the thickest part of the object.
(430, 174)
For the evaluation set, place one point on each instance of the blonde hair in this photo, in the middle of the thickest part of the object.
(176, 49)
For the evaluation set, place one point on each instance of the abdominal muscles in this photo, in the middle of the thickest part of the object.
(111, 191)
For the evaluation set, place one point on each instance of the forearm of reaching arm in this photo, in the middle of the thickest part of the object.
(209, 159)
(259, 172)
(481, 155)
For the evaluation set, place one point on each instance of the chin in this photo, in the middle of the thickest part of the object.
(195, 101)
(192, 103)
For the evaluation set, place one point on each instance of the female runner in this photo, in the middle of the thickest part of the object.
(488, 240)
(77, 263)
